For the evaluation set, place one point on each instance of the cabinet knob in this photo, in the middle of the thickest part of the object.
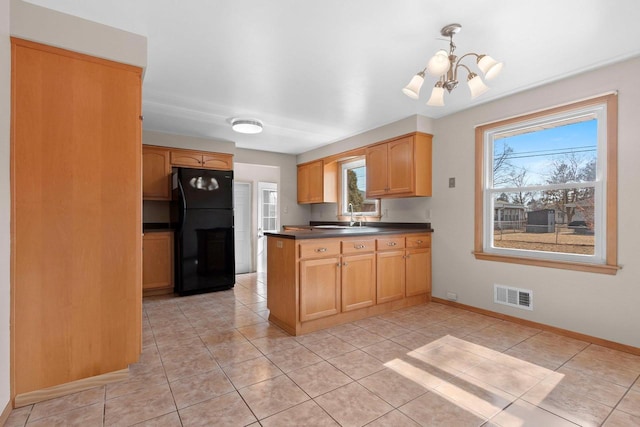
(358, 246)
(338, 264)
(322, 250)
(391, 243)
(344, 264)
(419, 242)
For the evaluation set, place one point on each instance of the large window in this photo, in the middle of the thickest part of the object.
(546, 187)
(353, 184)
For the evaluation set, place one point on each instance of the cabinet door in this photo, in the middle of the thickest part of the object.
(376, 159)
(400, 166)
(418, 271)
(358, 281)
(217, 161)
(390, 276)
(319, 288)
(156, 170)
(303, 184)
(316, 182)
(157, 260)
(186, 159)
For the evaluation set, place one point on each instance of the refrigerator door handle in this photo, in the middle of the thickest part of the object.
(183, 201)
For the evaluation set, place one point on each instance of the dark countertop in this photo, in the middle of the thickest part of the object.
(317, 230)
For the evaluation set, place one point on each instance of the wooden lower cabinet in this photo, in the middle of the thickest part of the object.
(358, 281)
(318, 283)
(319, 288)
(391, 277)
(157, 262)
(418, 271)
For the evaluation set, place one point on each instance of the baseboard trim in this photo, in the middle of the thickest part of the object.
(36, 396)
(564, 332)
(4, 416)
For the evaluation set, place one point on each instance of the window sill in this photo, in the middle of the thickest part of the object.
(589, 268)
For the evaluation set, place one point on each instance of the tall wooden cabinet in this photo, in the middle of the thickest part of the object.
(76, 217)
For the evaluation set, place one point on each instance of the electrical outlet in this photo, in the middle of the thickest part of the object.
(427, 214)
(452, 182)
(386, 213)
(452, 296)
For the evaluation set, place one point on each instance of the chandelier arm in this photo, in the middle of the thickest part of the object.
(458, 64)
(464, 56)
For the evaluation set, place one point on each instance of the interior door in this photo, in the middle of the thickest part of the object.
(267, 220)
(242, 216)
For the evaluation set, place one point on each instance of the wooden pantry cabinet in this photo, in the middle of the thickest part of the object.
(400, 167)
(76, 179)
(317, 283)
(317, 182)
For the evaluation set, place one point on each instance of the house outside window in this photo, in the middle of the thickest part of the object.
(546, 187)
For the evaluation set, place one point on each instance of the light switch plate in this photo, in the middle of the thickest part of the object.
(452, 182)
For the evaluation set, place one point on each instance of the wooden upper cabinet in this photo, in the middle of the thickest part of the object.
(199, 159)
(156, 169)
(400, 167)
(376, 162)
(317, 182)
(217, 161)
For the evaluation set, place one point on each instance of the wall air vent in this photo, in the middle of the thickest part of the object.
(514, 297)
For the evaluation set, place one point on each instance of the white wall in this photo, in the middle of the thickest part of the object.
(39, 24)
(290, 211)
(406, 125)
(594, 304)
(5, 201)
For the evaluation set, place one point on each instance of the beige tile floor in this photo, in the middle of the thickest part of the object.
(214, 360)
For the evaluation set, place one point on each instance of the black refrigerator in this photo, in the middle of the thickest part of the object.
(202, 213)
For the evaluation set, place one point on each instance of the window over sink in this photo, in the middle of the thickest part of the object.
(353, 188)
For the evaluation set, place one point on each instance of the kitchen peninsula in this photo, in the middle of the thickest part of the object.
(319, 276)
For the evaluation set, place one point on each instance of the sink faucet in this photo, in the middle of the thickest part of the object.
(351, 221)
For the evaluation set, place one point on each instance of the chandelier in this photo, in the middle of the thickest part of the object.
(446, 65)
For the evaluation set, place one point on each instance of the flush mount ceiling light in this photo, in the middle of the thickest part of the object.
(246, 125)
(445, 65)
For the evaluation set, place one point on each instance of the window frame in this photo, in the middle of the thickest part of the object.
(607, 262)
(342, 197)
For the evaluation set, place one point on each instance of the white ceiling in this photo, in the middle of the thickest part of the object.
(316, 72)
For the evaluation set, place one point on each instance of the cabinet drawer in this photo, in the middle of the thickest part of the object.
(319, 248)
(419, 241)
(386, 243)
(356, 246)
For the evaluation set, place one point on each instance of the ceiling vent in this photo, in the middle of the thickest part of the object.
(514, 297)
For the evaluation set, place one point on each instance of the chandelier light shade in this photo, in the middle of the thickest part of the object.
(445, 66)
(250, 126)
(412, 90)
